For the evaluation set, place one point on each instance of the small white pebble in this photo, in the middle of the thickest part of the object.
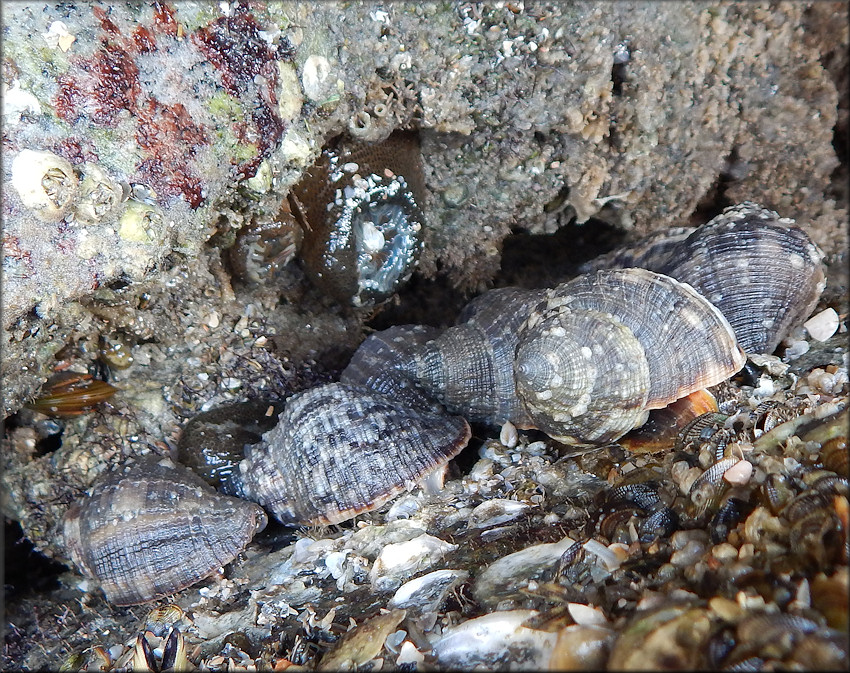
(586, 614)
(796, 349)
(724, 552)
(823, 325)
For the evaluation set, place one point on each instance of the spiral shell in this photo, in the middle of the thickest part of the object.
(342, 449)
(149, 530)
(764, 274)
(584, 362)
(605, 348)
(468, 367)
(362, 218)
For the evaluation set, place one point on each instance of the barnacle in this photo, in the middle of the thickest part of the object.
(100, 195)
(45, 182)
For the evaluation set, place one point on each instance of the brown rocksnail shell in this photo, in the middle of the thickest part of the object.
(584, 362)
(764, 274)
(153, 528)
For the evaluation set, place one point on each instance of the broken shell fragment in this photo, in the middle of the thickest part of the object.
(499, 640)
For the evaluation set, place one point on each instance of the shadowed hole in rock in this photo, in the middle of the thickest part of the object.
(26, 570)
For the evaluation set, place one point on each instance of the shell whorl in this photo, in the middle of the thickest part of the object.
(340, 449)
(582, 380)
(584, 362)
(762, 272)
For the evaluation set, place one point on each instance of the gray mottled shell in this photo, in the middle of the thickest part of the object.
(383, 363)
(341, 449)
(577, 377)
(151, 529)
(650, 252)
(764, 274)
(469, 367)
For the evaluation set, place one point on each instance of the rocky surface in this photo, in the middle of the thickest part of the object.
(543, 127)
(198, 119)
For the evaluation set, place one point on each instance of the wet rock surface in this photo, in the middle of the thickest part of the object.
(665, 115)
(185, 121)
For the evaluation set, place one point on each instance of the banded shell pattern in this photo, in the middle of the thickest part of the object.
(584, 362)
(153, 528)
(605, 348)
(340, 449)
(764, 274)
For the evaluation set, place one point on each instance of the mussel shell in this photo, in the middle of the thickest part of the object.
(687, 342)
(153, 528)
(341, 449)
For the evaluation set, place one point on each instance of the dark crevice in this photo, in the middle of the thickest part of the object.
(715, 199)
(421, 302)
(26, 570)
(544, 260)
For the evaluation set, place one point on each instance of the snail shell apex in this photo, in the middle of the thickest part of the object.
(605, 348)
(341, 449)
(153, 528)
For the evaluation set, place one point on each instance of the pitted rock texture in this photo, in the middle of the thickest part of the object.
(529, 114)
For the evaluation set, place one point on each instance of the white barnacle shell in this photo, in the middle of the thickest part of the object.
(45, 182)
(139, 222)
(100, 195)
